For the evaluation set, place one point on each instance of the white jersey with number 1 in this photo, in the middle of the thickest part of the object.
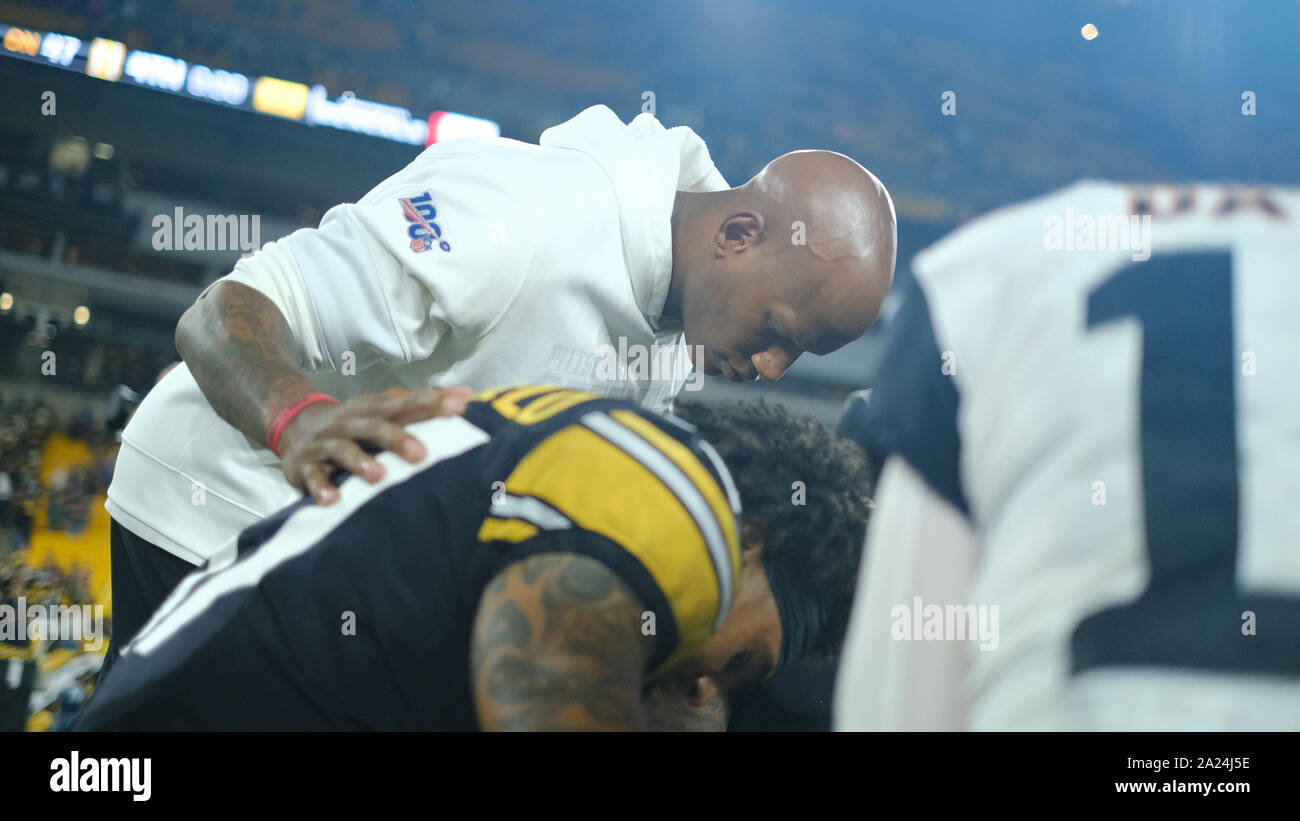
(1105, 384)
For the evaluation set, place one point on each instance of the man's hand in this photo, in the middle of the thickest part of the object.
(557, 645)
(242, 354)
(323, 437)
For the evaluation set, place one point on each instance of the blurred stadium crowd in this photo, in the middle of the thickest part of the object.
(52, 482)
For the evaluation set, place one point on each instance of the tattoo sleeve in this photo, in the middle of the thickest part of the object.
(241, 352)
(557, 645)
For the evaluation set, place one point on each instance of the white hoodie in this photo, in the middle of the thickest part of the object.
(523, 264)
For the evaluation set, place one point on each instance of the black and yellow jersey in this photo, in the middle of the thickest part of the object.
(359, 615)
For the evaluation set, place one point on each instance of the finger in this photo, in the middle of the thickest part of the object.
(386, 435)
(425, 404)
(347, 455)
(319, 487)
(371, 402)
(453, 406)
(452, 401)
(405, 406)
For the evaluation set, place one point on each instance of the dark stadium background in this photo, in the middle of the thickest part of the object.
(1157, 96)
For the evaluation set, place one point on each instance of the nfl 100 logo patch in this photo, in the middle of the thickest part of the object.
(424, 232)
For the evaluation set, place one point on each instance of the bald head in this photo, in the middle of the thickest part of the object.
(850, 228)
(798, 259)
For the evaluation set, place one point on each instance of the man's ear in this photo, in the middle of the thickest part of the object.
(751, 536)
(739, 232)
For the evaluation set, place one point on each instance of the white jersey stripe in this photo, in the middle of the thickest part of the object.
(531, 510)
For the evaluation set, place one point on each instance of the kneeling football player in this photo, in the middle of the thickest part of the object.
(554, 554)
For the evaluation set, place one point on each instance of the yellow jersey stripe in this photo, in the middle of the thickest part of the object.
(507, 403)
(603, 489)
(506, 530)
(689, 464)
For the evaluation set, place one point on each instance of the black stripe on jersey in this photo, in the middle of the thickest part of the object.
(480, 414)
(913, 408)
(528, 400)
(259, 532)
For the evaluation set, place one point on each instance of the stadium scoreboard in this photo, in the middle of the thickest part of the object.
(111, 61)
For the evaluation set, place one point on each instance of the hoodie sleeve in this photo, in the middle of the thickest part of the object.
(434, 254)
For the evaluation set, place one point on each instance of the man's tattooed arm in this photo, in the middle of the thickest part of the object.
(244, 357)
(242, 354)
(557, 645)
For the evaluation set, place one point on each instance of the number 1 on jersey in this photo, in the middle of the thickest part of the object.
(1190, 615)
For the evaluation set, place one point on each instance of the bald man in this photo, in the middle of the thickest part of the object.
(610, 257)
(797, 259)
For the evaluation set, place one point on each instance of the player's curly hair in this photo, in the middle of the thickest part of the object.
(767, 449)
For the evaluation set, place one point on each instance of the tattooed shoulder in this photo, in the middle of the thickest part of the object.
(557, 645)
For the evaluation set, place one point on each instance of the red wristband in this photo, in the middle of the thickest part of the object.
(287, 415)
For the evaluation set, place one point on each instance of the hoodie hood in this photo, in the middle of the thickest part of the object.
(648, 164)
